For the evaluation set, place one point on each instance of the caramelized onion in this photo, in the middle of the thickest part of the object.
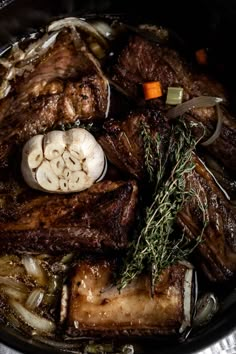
(104, 29)
(34, 269)
(206, 308)
(40, 324)
(13, 293)
(13, 283)
(189, 293)
(10, 266)
(34, 299)
(196, 102)
(216, 133)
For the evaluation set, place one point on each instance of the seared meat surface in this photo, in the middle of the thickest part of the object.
(47, 96)
(123, 142)
(210, 213)
(95, 305)
(98, 219)
(142, 60)
(217, 251)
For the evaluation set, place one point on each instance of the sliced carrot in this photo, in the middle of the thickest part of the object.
(201, 56)
(152, 90)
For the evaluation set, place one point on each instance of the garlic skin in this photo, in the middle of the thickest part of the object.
(63, 162)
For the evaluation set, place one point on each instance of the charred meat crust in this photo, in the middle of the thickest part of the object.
(209, 210)
(96, 307)
(99, 218)
(142, 61)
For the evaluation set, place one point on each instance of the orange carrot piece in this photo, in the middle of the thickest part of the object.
(201, 56)
(152, 90)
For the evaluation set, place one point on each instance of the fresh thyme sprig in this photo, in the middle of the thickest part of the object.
(156, 247)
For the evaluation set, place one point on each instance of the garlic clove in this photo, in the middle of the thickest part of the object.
(95, 163)
(64, 184)
(67, 174)
(33, 151)
(71, 162)
(54, 144)
(65, 161)
(46, 178)
(100, 178)
(79, 181)
(58, 166)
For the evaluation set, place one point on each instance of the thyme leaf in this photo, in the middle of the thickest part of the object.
(156, 246)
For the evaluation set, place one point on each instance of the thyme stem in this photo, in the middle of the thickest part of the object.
(156, 246)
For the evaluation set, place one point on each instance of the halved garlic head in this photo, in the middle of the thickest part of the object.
(63, 162)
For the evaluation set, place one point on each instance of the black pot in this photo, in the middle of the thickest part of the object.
(205, 23)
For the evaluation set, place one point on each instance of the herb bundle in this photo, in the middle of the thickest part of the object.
(156, 246)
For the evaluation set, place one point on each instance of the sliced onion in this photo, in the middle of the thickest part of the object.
(13, 283)
(38, 48)
(5, 63)
(40, 324)
(13, 293)
(217, 132)
(64, 303)
(80, 24)
(206, 308)
(108, 98)
(215, 179)
(34, 269)
(104, 29)
(4, 89)
(10, 266)
(188, 297)
(196, 102)
(34, 299)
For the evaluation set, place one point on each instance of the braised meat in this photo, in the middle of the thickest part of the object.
(217, 252)
(95, 305)
(123, 143)
(142, 60)
(209, 212)
(47, 96)
(99, 218)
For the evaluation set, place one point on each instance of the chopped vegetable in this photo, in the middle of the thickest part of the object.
(201, 56)
(174, 95)
(152, 90)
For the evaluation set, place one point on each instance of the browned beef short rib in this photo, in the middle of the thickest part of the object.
(46, 96)
(217, 251)
(142, 60)
(96, 307)
(209, 211)
(98, 218)
(123, 143)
